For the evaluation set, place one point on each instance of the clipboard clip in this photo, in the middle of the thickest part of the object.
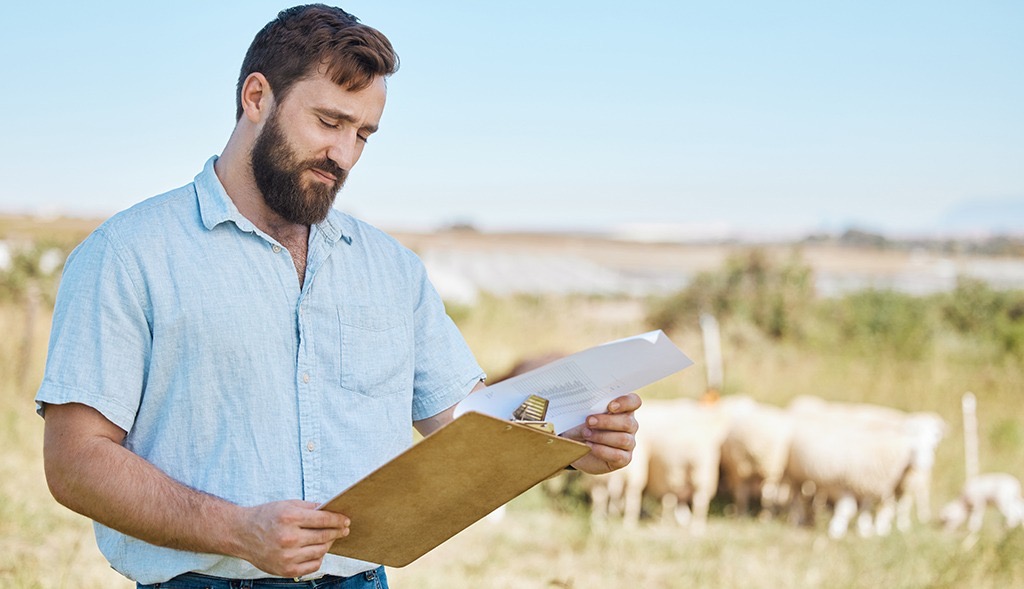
(532, 413)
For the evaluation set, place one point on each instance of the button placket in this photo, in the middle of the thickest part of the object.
(307, 399)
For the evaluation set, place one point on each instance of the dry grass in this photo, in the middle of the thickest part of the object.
(41, 543)
(537, 548)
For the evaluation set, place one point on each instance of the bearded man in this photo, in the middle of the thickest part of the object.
(228, 355)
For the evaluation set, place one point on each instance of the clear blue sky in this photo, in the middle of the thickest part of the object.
(552, 114)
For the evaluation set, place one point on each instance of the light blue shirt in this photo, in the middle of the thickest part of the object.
(184, 325)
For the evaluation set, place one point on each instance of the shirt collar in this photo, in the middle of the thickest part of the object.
(216, 207)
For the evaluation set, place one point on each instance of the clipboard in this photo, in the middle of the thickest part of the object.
(443, 484)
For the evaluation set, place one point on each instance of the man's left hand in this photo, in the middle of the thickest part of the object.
(611, 436)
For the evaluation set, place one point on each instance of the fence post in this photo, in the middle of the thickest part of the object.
(969, 406)
(712, 352)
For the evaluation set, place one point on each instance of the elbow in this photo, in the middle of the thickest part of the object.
(57, 475)
(75, 452)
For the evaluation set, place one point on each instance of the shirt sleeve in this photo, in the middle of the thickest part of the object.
(101, 338)
(446, 370)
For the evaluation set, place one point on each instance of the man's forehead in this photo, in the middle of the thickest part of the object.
(321, 93)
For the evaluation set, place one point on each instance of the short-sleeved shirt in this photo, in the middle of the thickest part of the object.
(185, 325)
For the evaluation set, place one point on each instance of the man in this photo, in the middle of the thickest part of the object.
(228, 355)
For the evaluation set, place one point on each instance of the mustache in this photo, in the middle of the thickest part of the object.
(327, 165)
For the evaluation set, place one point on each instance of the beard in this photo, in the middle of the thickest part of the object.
(278, 174)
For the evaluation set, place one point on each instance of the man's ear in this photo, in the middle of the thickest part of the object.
(257, 98)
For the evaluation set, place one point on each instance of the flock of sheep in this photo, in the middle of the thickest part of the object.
(867, 465)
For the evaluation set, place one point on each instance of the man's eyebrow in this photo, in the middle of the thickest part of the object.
(342, 116)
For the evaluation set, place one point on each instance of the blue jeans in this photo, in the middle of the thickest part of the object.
(374, 579)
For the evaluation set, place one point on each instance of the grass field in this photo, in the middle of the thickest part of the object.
(546, 543)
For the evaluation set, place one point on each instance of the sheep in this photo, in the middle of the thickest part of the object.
(855, 466)
(925, 430)
(922, 431)
(997, 489)
(676, 460)
(620, 493)
(754, 455)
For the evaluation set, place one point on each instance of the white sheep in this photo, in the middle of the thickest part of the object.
(857, 467)
(754, 456)
(620, 493)
(676, 460)
(921, 430)
(1001, 490)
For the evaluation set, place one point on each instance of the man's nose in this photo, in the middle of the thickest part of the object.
(345, 152)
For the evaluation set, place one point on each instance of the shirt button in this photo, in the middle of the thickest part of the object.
(305, 377)
(310, 446)
(276, 248)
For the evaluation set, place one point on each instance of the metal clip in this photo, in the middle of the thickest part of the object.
(532, 412)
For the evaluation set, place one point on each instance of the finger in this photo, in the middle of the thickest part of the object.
(322, 519)
(615, 440)
(624, 422)
(575, 433)
(625, 403)
(614, 457)
(313, 551)
(306, 567)
(331, 534)
(322, 536)
(310, 555)
(305, 514)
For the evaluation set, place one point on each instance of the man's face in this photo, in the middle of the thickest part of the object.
(300, 171)
(278, 172)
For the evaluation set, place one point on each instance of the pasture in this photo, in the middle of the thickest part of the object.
(548, 541)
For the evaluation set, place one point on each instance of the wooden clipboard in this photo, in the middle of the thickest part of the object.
(443, 484)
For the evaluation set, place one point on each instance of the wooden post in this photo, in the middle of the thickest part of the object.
(969, 407)
(712, 353)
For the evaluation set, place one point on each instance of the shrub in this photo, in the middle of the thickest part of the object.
(880, 321)
(752, 287)
(976, 310)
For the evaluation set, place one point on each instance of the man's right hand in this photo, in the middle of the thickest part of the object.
(289, 538)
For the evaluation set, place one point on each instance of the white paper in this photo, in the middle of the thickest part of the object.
(584, 383)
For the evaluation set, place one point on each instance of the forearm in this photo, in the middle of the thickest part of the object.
(99, 478)
(89, 471)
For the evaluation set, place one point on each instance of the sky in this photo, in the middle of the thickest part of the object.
(694, 117)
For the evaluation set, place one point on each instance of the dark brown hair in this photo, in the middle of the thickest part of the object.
(306, 40)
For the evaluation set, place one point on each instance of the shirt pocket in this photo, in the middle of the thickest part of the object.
(376, 350)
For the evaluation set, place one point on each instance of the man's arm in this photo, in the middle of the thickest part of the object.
(611, 435)
(89, 471)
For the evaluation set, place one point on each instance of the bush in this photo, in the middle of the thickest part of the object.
(976, 310)
(881, 322)
(751, 287)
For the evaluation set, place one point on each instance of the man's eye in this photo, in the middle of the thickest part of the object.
(326, 124)
(364, 138)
